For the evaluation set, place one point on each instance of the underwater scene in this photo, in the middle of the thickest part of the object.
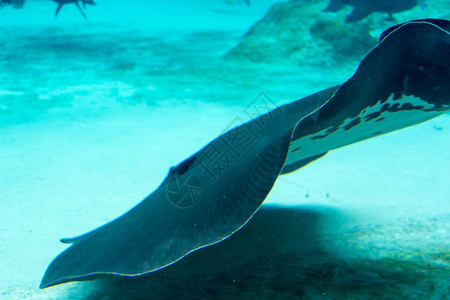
(225, 149)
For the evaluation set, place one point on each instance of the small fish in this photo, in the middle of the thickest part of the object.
(362, 9)
(14, 3)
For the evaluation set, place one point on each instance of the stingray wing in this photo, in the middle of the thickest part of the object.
(358, 13)
(202, 201)
(216, 191)
(60, 5)
(402, 82)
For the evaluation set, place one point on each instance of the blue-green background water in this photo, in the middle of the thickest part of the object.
(93, 113)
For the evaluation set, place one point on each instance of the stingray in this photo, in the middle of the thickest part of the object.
(209, 196)
(61, 3)
(363, 8)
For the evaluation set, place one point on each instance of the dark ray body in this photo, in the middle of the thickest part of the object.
(213, 193)
(363, 8)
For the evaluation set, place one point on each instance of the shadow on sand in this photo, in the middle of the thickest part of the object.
(270, 256)
(282, 253)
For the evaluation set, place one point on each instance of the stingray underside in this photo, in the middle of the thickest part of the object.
(403, 81)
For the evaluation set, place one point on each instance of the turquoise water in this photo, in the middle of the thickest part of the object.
(93, 113)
